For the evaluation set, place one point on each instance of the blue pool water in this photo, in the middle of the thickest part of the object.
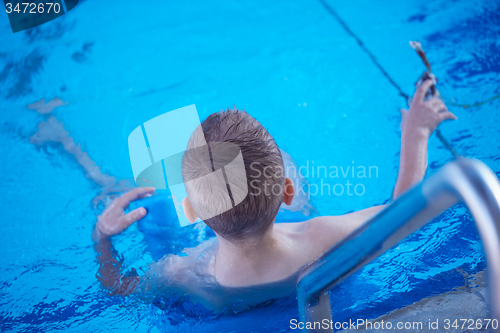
(294, 67)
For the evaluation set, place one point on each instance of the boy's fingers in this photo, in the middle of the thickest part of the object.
(437, 104)
(404, 113)
(137, 193)
(434, 101)
(448, 115)
(133, 216)
(420, 93)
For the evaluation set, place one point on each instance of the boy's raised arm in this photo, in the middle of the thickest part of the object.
(417, 125)
(112, 222)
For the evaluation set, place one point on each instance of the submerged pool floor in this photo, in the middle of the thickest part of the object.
(462, 310)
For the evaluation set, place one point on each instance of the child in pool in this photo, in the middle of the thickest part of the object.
(250, 248)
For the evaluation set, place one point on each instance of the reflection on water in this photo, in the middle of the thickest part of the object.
(51, 131)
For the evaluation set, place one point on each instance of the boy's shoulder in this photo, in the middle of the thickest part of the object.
(322, 232)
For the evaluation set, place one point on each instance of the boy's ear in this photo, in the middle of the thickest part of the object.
(289, 192)
(188, 210)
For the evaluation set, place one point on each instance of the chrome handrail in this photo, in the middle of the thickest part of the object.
(464, 179)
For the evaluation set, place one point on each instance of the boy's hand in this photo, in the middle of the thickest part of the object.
(424, 116)
(114, 220)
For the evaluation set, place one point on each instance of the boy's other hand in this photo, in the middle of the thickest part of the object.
(114, 220)
(424, 116)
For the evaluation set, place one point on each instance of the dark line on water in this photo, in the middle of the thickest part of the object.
(475, 104)
(446, 143)
(362, 45)
(344, 25)
(159, 90)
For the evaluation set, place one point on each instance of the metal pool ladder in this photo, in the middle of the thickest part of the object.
(464, 179)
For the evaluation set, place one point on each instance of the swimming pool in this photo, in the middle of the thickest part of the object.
(291, 65)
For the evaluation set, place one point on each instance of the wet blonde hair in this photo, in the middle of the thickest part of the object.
(209, 177)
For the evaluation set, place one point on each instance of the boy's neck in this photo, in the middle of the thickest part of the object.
(250, 246)
(250, 253)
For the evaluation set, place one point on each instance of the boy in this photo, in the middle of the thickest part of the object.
(250, 249)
